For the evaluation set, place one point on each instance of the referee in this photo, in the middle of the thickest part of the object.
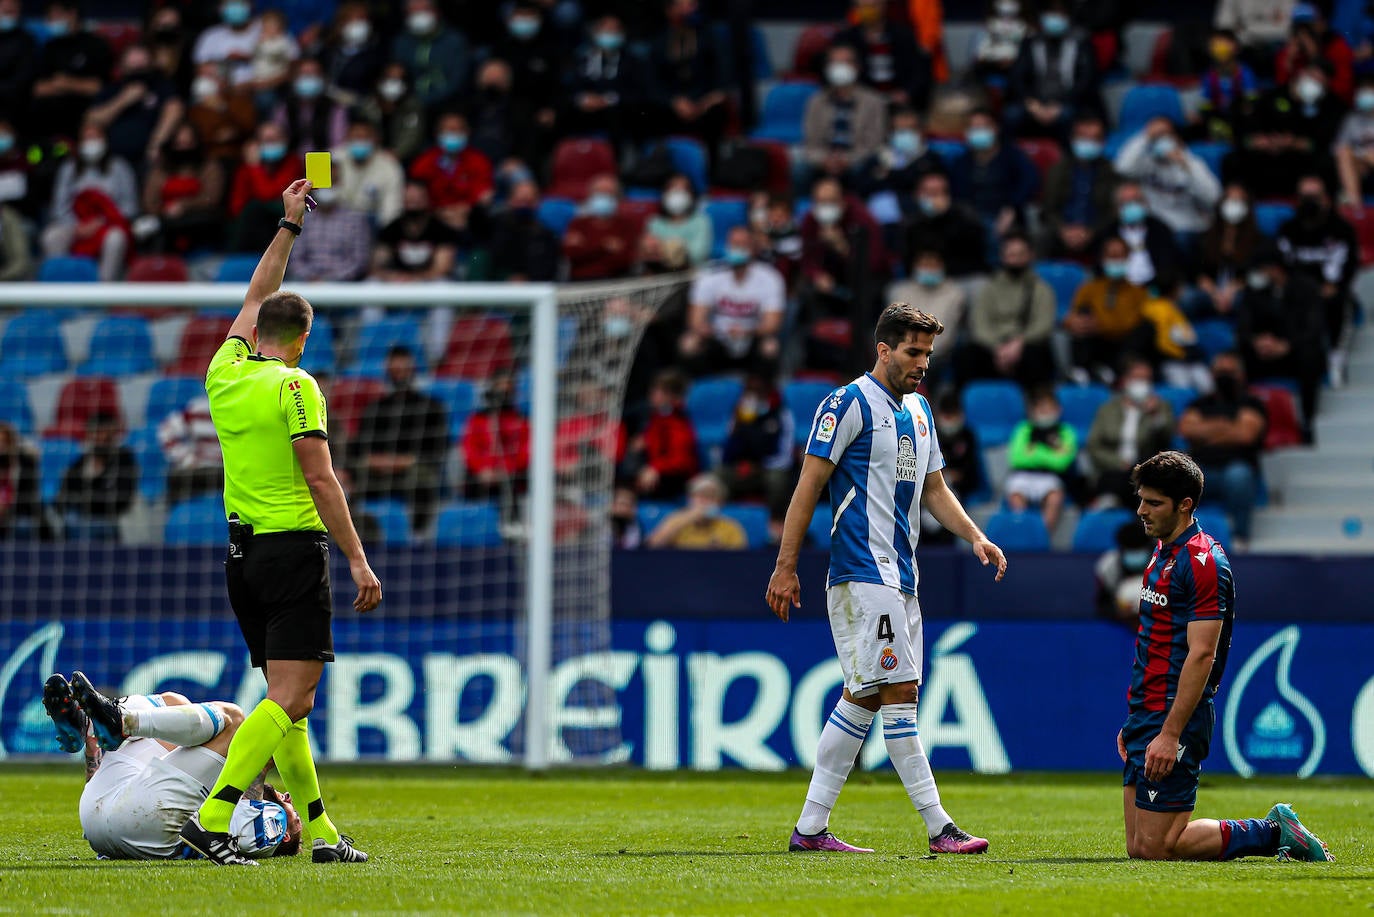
(283, 500)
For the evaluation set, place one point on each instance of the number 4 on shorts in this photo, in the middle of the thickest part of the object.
(885, 628)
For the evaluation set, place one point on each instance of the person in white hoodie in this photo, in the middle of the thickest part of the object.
(1179, 187)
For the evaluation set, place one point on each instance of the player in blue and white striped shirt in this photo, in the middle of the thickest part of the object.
(873, 446)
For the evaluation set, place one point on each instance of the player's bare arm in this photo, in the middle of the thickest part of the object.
(944, 505)
(313, 454)
(267, 277)
(1162, 752)
(784, 586)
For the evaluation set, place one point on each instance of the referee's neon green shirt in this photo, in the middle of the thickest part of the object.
(260, 406)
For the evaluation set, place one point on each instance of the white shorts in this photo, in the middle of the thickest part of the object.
(1034, 486)
(134, 806)
(877, 632)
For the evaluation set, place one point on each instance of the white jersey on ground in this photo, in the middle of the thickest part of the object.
(882, 450)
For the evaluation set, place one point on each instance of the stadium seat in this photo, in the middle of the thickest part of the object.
(951, 151)
(1363, 221)
(556, 213)
(468, 525)
(576, 161)
(319, 356)
(1096, 531)
(121, 345)
(202, 336)
(783, 108)
(1269, 216)
(1024, 531)
(197, 521)
(459, 397)
(1145, 102)
(993, 408)
(31, 346)
(68, 269)
(479, 347)
(1281, 408)
(1215, 523)
(170, 395)
(377, 337)
(1043, 152)
(392, 518)
(15, 409)
(779, 165)
(808, 56)
(651, 512)
(753, 519)
(1212, 154)
(55, 457)
(1215, 335)
(818, 531)
(1064, 277)
(348, 399)
(152, 463)
(236, 269)
(802, 398)
(725, 215)
(689, 158)
(1080, 404)
(1178, 396)
(157, 269)
(567, 338)
(711, 405)
(80, 399)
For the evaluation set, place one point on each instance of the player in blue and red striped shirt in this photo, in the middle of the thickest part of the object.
(1187, 607)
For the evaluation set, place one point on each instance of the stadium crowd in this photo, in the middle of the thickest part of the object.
(1116, 270)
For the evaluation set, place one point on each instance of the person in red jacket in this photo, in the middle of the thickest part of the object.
(662, 458)
(601, 241)
(1313, 41)
(496, 446)
(255, 197)
(459, 177)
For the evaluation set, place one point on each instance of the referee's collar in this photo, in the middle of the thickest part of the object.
(261, 359)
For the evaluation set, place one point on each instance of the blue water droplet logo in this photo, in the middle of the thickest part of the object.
(1352, 526)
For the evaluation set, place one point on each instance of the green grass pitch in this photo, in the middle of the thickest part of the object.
(465, 841)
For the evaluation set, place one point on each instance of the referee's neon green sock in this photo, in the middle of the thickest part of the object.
(249, 751)
(296, 765)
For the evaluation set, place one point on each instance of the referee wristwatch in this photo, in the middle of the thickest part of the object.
(293, 228)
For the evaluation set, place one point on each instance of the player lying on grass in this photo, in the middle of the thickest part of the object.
(1187, 608)
(150, 760)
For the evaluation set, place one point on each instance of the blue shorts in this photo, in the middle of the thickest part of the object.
(1178, 791)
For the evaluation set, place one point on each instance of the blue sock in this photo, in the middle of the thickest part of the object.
(1248, 837)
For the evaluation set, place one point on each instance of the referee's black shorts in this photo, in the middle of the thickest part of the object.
(279, 590)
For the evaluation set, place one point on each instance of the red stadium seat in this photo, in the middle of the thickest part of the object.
(808, 59)
(348, 398)
(779, 166)
(1043, 152)
(1159, 56)
(200, 339)
(157, 269)
(1363, 221)
(576, 162)
(1284, 429)
(82, 398)
(478, 347)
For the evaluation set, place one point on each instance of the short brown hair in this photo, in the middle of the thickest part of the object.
(902, 319)
(1174, 474)
(284, 316)
(672, 382)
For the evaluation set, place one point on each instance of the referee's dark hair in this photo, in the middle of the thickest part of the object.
(1173, 474)
(284, 316)
(902, 319)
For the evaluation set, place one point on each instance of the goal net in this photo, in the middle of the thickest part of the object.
(475, 429)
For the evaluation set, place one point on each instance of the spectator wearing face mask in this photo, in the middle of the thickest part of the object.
(700, 526)
(600, 242)
(18, 61)
(1078, 200)
(890, 61)
(339, 249)
(436, 56)
(1179, 187)
(997, 180)
(496, 446)
(522, 248)
(1230, 89)
(402, 126)
(897, 167)
(1128, 428)
(959, 446)
(735, 313)
(369, 178)
(608, 86)
(1225, 434)
(1010, 323)
(98, 488)
(930, 289)
(680, 219)
(625, 532)
(184, 193)
(661, 456)
(416, 246)
(1107, 317)
(232, 43)
(73, 67)
(459, 177)
(1318, 242)
(353, 55)
(1119, 571)
(1225, 252)
(138, 110)
(936, 221)
(531, 47)
(1354, 147)
(1053, 80)
(255, 196)
(1290, 133)
(503, 123)
(776, 235)
(224, 118)
(844, 124)
(274, 55)
(1312, 41)
(95, 196)
(1152, 251)
(1040, 459)
(311, 119)
(690, 64)
(757, 460)
(997, 43)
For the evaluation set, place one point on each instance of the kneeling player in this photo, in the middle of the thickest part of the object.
(150, 762)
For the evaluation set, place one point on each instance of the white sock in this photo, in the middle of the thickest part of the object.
(909, 758)
(187, 725)
(839, 745)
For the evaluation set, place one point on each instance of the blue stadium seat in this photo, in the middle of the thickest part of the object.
(376, 338)
(753, 519)
(121, 345)
(567, 338)
(152, 463)
(1215, 335)
(55, 457)
(556, 213)
(1215, 523)
(689, 158)
(651, 512)
(711, 404)
(1145, 102)
(14, 406)
(725, 215)
(1024, 531)
(763, 66)
(1080, 404)
(993, 408)
(68, 269)
(236, 269)
(1271, 216)
(783, 109)
(951, 151)
(818, 531)
(802, 398)
(32, 346)
(393, 519)
(319, 356)
(1096, 531)
(1212, 154)
(459, 397)
(1064, 277)
(1178, 396)
(197, 521)
(172, 394)
(468, 525)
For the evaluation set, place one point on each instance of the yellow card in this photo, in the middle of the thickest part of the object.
(318, 170)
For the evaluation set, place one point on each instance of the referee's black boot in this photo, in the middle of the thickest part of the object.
(215, 846)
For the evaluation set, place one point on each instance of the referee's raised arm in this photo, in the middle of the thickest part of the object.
(271, 269)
